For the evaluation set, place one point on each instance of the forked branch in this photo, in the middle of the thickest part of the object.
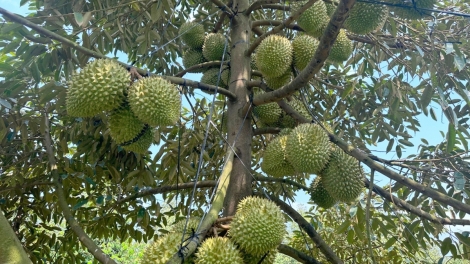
(295, 254)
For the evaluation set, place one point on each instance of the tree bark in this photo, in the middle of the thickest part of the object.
(11, 250)
(239, 126)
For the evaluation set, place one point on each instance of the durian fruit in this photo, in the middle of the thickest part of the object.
(315, 19)
(364, 18)
(308, 148)
(258, 226)
(161, 250)
(304, 49)
(98, 87)
(155, 101)
(213, 48)
(269, 114)
(287, 121)
(342, 177)
(303, 243)
(192, 33)
(141, 143)
(275, 159)
(211, 76)
(124, 125)
(225, 76)
(408, 11)
(193, 223)
(193, 57)
(277, 82)
(266, 258)
(274, 56)
(341, 49)
(319, 194)
(218, 250)
(330, 8)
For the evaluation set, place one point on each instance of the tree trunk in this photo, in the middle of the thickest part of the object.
(239, 122)
(11, 250)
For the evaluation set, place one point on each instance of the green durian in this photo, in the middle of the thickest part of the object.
(269, 114)
(277, 82)
(155, 101)
(308, 148)
(193, 57)
(342, 177)
(211, 76)
(319, 195)
(124, 125)
(341, 49)
(98, 87)
(141, 143)
(192, 34)
(275, 159)
(314, 20)
(304, 50)
(161, 250)
(257, 226)
(218, 250)
(274, 56)
(193, 223)
(330, 8)
(214, 45)
(287, 121)
(266, 258)
(364, 18)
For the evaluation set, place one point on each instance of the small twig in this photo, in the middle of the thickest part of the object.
(224, 8)
(295, 254)
(201, 66)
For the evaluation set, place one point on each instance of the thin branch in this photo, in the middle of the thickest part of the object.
(169, 188)
(67, 42)
(413, 209)
(262, 4)
(200, 66)
(283, 180)
(224, 8)
(90, 245)
(321, 54)
(25, 186)
(220, 22)
(266, 130)
(274, 23)
(295, 254)
(308, 228)
(278, 29)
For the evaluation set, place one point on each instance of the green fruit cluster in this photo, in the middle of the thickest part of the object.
(341, 49)
(364, 18)
(274, 56)
(257, 226)
(102, 85)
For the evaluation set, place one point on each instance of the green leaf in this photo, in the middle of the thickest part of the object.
(459, 181)
(459, 62)
(433, 115)
(390, 145)
(406, 142)
(398, 150)
(80, 203)
(450, 138)
(5, 103)
(78, 18)
(35, 72)
(427, 96)
(343, 227)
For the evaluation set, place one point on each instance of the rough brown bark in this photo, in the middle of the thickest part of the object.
(239, 127)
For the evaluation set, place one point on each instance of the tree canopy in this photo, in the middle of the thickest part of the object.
(67, 183)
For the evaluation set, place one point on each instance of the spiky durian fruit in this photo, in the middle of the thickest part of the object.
(308, 148)
(341, 49)
(213, 48)
(218, 250)
(275, 159)
(193, 223)
(406, 9)
(161, 250)
(364, 18)
(98, 87)
(277, 82)
(314, 20)
(211, 76)
(266, 258)
(330, 8)
(342, 177)
(193, 57)
(141, 143)
(304, 49)
(225, 76)
(319, 194)
(258, 225)
(268, 114)
(124, 125)
(192, 33)
(287, 121)
(155, 101)
(274, 56)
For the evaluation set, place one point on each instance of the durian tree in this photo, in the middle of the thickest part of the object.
(102, 125)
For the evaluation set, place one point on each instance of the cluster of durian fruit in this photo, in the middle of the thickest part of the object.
(256, 230)
(307, 149)
(202, 48)
(133, 109)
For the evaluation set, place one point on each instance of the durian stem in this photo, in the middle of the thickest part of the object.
(322, 52)
(90, 245)
(308, 228)
(211, 216)
(295, 254)
(278, 29)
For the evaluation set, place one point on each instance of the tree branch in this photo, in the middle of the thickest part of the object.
(274, 23)
(321, 54)
(412, 209)
(163, 189)
(282, 180)
(200, 66)
(308, 228)
(224, 8)
(278, 29)
(295, 254)
(67, 42)
(91, 246)
(266, 130)
(262, 4)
